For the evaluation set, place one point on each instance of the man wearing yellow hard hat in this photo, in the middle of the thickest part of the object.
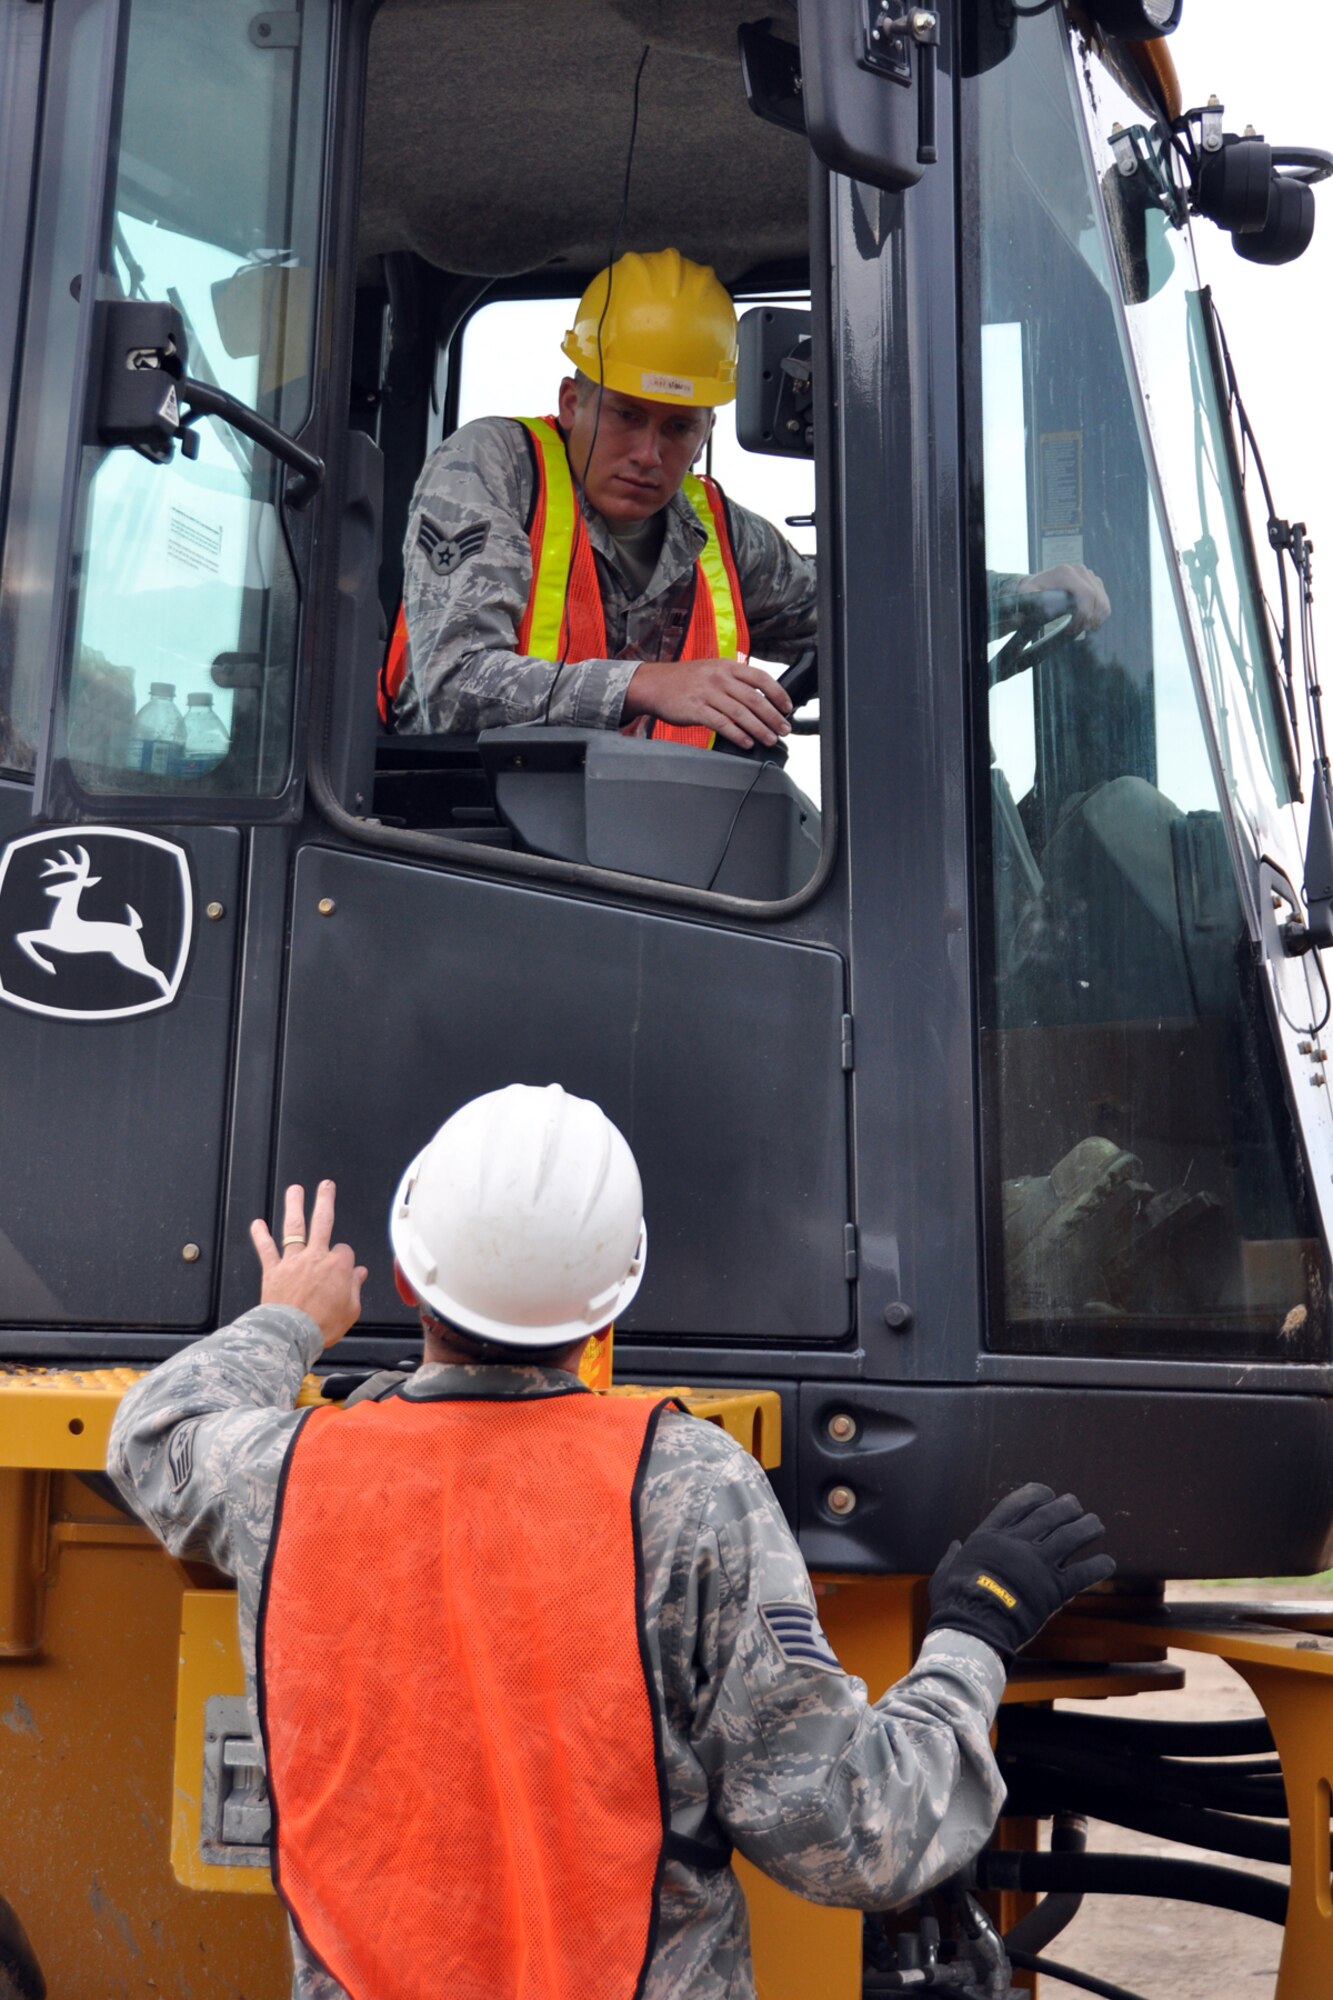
(573, 569)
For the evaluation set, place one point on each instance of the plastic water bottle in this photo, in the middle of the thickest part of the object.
(157, 739)
(206, 740)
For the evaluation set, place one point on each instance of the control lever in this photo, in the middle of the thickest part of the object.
(801, 679)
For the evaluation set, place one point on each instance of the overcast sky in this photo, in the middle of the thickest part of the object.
(1270, 62)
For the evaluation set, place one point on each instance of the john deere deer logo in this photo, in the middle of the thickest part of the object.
(95, 927)
(68, 931)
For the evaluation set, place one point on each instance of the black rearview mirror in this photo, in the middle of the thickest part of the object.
(775, 393)
(868, 83)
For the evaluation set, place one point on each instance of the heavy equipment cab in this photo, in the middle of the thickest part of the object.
(973, 1058)
(1014, 933)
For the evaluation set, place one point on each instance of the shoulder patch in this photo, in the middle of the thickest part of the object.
(799, 1636)
(180, 1454)
(445, 553)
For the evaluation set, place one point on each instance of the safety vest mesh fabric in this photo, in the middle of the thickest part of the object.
(564, 619)
(463, 1751)
(393, 669)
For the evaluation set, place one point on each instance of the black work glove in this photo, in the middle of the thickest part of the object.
(1017, 1569)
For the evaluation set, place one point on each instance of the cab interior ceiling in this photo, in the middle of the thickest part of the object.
(496, 139)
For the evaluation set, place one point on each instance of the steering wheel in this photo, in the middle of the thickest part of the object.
(1040, 621)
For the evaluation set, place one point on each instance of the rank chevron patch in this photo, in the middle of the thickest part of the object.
(800, 1637)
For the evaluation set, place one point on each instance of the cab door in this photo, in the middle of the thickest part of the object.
(150, 622)
(156, 552)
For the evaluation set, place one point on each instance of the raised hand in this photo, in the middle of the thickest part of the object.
(309, 1272)
(1028, 1557)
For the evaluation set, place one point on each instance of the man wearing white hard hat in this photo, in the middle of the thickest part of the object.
(531, 1662)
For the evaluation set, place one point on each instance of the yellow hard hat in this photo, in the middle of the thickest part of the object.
(669, 333)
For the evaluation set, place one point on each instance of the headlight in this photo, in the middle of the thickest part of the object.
(1135, 20)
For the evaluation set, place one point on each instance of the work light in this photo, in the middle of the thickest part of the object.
(1135, 20)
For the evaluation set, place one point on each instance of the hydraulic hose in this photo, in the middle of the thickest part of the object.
(1249, 1736)
(1132, 1875)
(1027, 1961)
(1194, 1826)
(1055, 1912)
(1258, 1792)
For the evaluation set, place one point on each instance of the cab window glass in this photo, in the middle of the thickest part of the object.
(44, 370)
(1146, 1182)
(21, 34)
(180, 661)
(511, 364)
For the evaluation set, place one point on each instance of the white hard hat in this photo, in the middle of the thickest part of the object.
(522, 1220)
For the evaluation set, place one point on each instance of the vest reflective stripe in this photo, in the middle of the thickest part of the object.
(718, 566)
(551, 538)
(457, 1705)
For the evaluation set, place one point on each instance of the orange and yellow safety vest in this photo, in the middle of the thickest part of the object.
(458, 1707)
(564, 620)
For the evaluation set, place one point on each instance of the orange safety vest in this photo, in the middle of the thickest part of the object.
(564, 620)
(464, 1752)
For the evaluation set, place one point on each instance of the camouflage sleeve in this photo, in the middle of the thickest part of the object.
(777, 587)
(467, 570)
(197, 1445)
(845, 1801)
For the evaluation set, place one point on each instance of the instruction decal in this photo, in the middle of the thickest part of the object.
(95, 922)
(1060, 496)
(194, 543)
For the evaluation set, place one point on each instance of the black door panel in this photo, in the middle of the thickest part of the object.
(717, 1054)
(114, 1111)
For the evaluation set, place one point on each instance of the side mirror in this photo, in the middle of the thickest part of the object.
(868, 84)
(771, 74)
(775, 393)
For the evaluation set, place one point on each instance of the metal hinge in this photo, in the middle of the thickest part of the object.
(235, 1814)
(850, 1260)
(848, 1043)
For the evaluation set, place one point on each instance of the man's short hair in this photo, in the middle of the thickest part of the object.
(508, 1354)
(584, 386)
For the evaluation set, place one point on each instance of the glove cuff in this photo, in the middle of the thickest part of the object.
(955, 1619)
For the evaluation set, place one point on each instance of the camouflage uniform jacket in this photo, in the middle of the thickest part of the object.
(467, 574)
(775, 1750)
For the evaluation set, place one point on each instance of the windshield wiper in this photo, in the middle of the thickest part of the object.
(1213, 380)
(1291, 543)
